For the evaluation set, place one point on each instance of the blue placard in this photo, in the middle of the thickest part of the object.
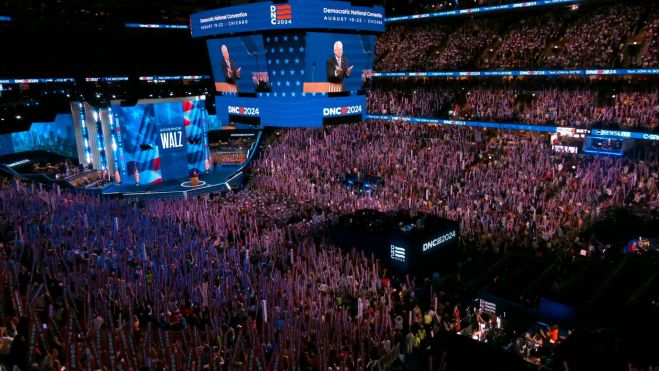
(298, 110)
(582, 72)
(5, 18)
(484, 9)
(296, 14)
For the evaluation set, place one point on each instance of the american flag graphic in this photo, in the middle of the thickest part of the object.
(285, 55)
(284, 12)
(195, 121)
(140, 126)
(117, 176)
(137, 176)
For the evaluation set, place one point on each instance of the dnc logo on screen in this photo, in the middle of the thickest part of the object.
(281, 14)
(245, 111)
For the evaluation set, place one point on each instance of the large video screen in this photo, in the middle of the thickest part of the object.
(340, 59)
(294, 14)
(56, 137)
(159, 141)
(239, 64)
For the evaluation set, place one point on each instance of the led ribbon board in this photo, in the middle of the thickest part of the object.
(579, 72)
(296, 14)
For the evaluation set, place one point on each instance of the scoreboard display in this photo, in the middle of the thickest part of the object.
(272, 65)
(296, 14)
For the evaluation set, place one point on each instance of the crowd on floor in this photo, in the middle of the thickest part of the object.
(251, 279)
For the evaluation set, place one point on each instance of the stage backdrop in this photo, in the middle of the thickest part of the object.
(162, 140)
(56, 137)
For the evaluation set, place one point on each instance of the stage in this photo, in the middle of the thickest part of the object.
(224, 178)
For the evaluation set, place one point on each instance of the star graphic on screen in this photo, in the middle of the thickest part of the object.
(292, 94)
(269, 61)
(297, 61)
(297, 83)
(281, 50)
(285, 38)
(286, 61)
(274, 73)
(272, 50)
(283, 94)
(288, 83)
(301, 72)
(276, 39)
(292, 72)
(267, 39)
(301, 49)
(295, 37)
(290, 50)
(275, 94)
(278, 84)
(283, 72)
(277, 61)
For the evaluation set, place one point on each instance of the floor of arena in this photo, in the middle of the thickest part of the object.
(210, 182)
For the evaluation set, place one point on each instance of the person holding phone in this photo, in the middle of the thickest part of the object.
(337, 65)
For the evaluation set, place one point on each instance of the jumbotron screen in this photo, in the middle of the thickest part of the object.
(283, 63)
(160, 139)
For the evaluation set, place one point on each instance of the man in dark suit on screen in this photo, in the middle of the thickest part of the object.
(337, 65)
(229, 69)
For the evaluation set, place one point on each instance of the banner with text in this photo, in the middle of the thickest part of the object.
(296, 14)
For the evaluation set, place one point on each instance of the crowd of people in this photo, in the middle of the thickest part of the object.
(588, 37)
(524, 43)
(251, 279)
(574, 103)
(649, 57)
(592, 42)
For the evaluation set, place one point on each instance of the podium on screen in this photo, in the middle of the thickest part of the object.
(225, 87)
(322, 87)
